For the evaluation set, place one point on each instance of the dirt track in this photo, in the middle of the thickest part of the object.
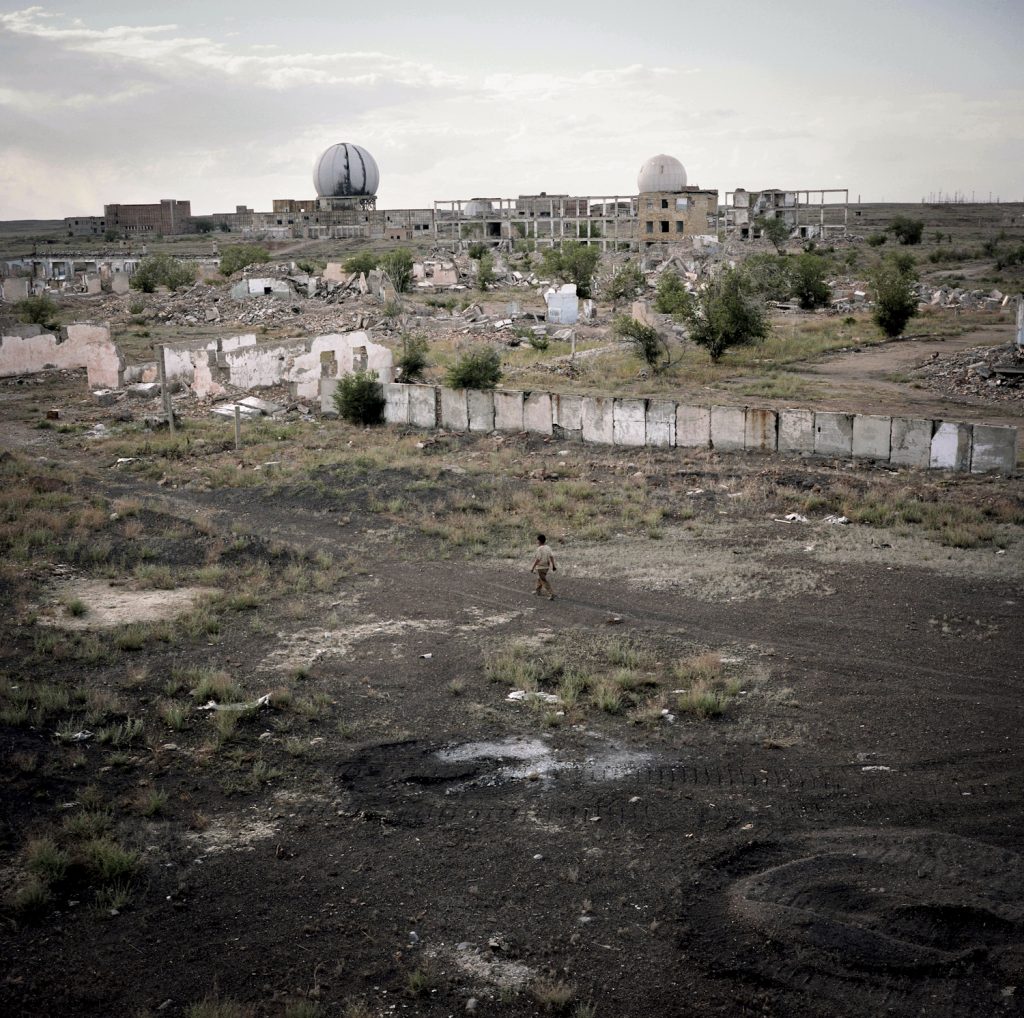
(843, 841)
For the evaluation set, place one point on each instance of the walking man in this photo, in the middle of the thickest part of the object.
(541, 564)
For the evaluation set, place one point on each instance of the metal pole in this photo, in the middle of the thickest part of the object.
(238, 426)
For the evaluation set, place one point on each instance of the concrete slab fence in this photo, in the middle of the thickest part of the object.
(632, 422)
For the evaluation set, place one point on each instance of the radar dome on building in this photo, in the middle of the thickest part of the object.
(346, 170)
(661, 173)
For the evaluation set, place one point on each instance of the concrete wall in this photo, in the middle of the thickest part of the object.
(79, 346)
(662, 423)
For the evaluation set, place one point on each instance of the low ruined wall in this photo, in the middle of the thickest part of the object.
(78, 346)
(635, 421)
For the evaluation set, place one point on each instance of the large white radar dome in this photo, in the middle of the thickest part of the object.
(346, 170)
(661, 173)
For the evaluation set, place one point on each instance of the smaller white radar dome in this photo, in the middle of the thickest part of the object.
(346, 170)
(661, 173)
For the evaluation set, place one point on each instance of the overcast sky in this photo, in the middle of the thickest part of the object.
(229, 103)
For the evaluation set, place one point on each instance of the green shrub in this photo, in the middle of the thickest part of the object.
(575, 263)
(398, 265)
(770, 275)
(672, 297)
(726, 313)
(906, 230)
(477, 250)
(809, 286)
(236, 257)
(647, 342)
(625, 284)
(893, 291)
(485, 270)
(359, 398)
(36, 310)
(413, 359)
(479, 368)
(774, 229)
(163, 270)
(363, 262)
(876, 239)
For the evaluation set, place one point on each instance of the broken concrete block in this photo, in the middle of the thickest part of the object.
(246, 413)
(328, 387)
(508, 410)
(423, 406)
(105, 397)
(396, 402)
(833, 434)
(728, 428)
(796, 431)
(567, 414)
(993, 449)
(951, 446)
(760, 430)
(598, 421)
(872, 436)
(212, 315)
(454, 409)
(563, 335)
(661, 423)
(629, 422)
(263, 405)
(910, 442)
(537, 413)
(480, 403)
(143, 390)
(693, 426)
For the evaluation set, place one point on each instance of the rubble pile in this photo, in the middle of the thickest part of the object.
(976, 373)
(960, 299)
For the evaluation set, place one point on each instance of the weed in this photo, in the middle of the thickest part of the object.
(76, 607)
(46, 860)
(608, 697)
(109, 861)
(553, 995)
(296, 747)
(121, 735)
(216, 686)
(357, 1009)
(131, 638)
(153, 803)
(456, 687)
(419, 982)
(114, 897)
(214, 1006)
(31, 897)
(174, 716)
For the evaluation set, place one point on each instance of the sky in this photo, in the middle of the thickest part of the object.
(229, 104)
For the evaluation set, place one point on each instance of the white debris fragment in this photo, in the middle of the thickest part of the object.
(841, 521)
(251, 705)
(792, 518)
(521, 695)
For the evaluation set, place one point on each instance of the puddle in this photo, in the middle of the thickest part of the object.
(107, 605)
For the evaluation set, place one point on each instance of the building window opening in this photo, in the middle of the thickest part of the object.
(680, 227)
(664, 203)
(650, 227)
(664, 226)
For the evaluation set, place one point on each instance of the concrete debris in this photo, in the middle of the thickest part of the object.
(262, 701)
(522, 695)
(264, 406)
(246, 413)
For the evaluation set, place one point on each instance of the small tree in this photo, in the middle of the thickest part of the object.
(895, 299)
(672, 297)
(203, 225)
(162, 270)
(398, 265)
(485, 270)
(906, 230)
(236, 257)
(648, 343)
(479, 368)
(770, 275)
(413, 359)
(362, 262)
(36, 310)
(876, 239)
(726, 313)
(575, 263)
(359, 398)
(809, 286)
(625, 284)
(775, 230)
(477, 250)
